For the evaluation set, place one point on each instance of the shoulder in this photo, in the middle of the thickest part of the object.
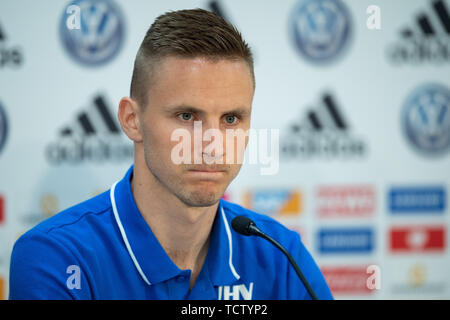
(75, 223)
(42, 257)
(70, 217)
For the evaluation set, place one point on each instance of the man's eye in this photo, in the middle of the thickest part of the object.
(185, 116)
(230, 119)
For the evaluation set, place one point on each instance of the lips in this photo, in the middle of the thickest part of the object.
(207, 169)
(207, 173)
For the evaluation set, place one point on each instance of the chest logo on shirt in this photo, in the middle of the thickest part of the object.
(236, 292)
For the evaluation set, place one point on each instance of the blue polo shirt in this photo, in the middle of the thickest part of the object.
(103, 249)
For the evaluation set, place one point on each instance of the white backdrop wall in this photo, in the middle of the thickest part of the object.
(363, 116)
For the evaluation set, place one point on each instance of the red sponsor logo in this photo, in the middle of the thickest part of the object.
(347, 280)
(342, 201)
(417, 239)
(2, 209)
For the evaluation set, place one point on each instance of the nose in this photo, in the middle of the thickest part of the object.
(211, 149)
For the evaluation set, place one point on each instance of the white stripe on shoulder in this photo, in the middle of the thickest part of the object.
(230, 244)
(124, 236)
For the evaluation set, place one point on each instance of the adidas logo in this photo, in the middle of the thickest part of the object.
(322, 133)
(215, 6)
(9, 56)
(427, 39)
(95, 135)
(2, 37)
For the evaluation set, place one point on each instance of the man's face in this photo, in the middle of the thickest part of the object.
(184, 91)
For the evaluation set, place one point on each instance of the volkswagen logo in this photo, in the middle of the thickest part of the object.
(100, 35)
(321, 29)
(426, 119)
(3, 128)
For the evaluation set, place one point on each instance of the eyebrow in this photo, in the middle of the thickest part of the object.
(201, 112)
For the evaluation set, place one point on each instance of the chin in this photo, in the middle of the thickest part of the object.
(200, 198)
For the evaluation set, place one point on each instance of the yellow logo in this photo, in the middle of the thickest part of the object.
(49, 205)
(2, 289)
(417, 275)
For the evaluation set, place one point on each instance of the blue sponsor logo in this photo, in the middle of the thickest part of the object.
(349, 240)
(417, 200)
(321, 29)
(274, 201)
(426, 119)
(3, 128)
(100, 34)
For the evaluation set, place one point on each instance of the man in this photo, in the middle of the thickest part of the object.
(163, 231)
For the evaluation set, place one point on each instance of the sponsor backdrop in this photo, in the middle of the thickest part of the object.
(362, 107)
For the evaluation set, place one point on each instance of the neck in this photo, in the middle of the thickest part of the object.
(182, 231)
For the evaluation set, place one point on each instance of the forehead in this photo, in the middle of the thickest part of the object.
(201, 82)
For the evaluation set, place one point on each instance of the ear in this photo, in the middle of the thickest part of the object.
(129, 118)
